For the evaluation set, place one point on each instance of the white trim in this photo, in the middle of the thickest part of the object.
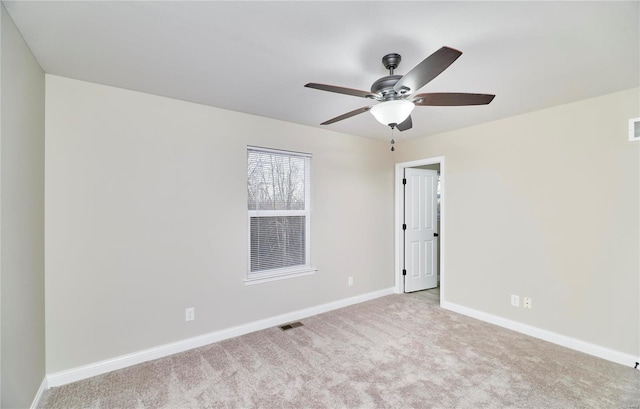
(300, 272)
(36, 399)
(123, 361)
(398, 222)
(278, 151)
(549, 336)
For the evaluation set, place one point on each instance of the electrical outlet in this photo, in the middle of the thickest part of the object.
(350, 281)
(190, 314)
(527, 303)
(515, 300)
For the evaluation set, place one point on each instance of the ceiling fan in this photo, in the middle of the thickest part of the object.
(397, 96)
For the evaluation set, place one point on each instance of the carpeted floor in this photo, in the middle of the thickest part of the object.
(399, 351)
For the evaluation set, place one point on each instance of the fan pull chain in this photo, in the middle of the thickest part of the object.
(392, 140)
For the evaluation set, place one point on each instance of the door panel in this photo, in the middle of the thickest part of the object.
(421, 246)
(416, 265)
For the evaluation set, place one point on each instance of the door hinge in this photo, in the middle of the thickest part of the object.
(404, 226)
(404, 181)
(404, 272)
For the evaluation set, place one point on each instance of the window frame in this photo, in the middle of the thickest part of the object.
(257, 277)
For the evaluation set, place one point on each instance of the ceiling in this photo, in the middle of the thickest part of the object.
(255, 57)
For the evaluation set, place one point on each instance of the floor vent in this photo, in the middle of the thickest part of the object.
(291, 325)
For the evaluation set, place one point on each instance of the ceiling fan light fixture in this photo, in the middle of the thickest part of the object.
(392, 112)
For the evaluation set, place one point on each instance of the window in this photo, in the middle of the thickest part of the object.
(278, 204)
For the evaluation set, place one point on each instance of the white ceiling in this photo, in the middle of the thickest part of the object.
(255, 57)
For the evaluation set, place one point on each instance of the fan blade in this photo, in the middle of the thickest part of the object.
(428, 69)
(452, 99)
(347, 115)
(342, 90)
(404, 125)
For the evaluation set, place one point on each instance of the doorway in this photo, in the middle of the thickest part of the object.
(437, 163)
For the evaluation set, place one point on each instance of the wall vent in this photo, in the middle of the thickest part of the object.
(634, 129)
(291, 325)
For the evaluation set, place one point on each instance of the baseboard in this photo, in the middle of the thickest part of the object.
(123, 361)
(43, 387)
(554, 338)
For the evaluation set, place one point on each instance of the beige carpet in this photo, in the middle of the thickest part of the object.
(399, 351)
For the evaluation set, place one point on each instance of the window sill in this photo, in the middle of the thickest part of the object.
(280, 276)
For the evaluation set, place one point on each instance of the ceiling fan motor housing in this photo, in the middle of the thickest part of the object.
(384, 86)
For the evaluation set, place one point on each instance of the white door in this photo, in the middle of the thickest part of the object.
(420, 229)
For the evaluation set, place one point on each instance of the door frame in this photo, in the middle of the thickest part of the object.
(399, 196)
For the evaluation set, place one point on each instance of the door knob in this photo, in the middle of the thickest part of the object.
(435, 234)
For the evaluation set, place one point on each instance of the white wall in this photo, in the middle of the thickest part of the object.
(22, 87)
(146, 215)
(545, 205)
